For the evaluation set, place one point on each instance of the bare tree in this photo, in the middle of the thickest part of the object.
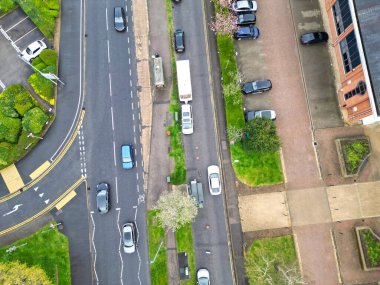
(234, 134)
(232, 90)
(290, 275)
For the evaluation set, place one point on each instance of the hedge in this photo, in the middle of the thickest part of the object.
(18, 98)
(34, 121)
(6, 6)
(9, 129)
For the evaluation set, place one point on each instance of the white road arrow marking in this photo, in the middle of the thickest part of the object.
(47, 201)
(35, 188)
(15, 208)
(41, 195)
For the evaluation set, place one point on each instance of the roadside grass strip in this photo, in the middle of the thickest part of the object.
(185, 243)
(272, 259)
(178, 176)
(156, 234)
(48, 249)
(250, 167)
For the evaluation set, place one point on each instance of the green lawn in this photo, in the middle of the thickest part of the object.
(48, 250)
(178, 176)
(252, 169)
(156, 234)
(279, 251)
(184, 239)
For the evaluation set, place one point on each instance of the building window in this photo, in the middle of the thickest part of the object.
(350, 52)
(342, 15)
(359, 90)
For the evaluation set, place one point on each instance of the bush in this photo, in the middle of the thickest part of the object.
(43, 13)
(43, 87)
(372, 247)
(355, 153)
(18, 98)
(260, 136)
(4, 153)
(10, 129)
(34, 121)
(6, 6)
(49, 57)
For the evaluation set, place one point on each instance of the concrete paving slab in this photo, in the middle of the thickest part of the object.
(309, 206)
(12, 178)
(369, 194)
(264, 211)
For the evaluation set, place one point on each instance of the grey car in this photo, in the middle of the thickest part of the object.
(269, 114)
(129, 237)
(257, 86)
(119, 16)
(102, 197)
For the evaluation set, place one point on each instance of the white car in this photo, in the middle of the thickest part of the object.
(214, 180)
(244, 6)
(129, 237)
(187, 119)
(33, 50)
(203, 277)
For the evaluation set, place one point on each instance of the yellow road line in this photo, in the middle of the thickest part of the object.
(65, 200)
(12, 178)
(55, 162)
(40, 170)
(47, 209)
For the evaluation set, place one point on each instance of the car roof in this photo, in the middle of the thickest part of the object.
(35, 45)
(242, 4)
(263, 83)
(244, 30)
(247, 17)
(213, 169)
(186, 108)
(126, 149)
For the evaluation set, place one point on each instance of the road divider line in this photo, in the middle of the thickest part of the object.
(47, 209)
(114, 153)
(113, 126)
(107, 19)
(117, 191)
(108, 51)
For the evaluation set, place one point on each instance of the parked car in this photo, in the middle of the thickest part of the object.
(257, 86)
(187, 119)
(102, 195)
(33, 50)
(203, 277)
(245, 18)
(120, 19)
(127, 156)
(214, 179)
(129, 237)
(314, 38)
(247, 33)
(269, 114)
(179, 41)
(244, 5)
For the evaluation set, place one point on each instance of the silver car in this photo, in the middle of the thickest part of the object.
(203, 277)
(244, 6)
(214, 180)
(129, 237)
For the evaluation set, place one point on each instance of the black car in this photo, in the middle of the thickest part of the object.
(179, 41)
(246, 18)
(247, 33)
(119, 15)
(257, 86)
(314, 38)
(268, 114)
(102, 195)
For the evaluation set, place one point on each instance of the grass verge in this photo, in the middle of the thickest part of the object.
(184, 239)
(156, 234)
(274, 254)
(48, 250)
(178, 176)
(251, 168)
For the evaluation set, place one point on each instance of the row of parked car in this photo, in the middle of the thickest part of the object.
(245, 19)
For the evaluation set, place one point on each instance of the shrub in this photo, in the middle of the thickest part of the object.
(8, 111)
(34, 120)
(4, 153)
(372, 246)
(261, 136)
(18, 98)
(355, 153)
(10, 129)
(6, 6)
(49, 57)
(43, 87)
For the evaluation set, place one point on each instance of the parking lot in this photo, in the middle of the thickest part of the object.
(17, 32)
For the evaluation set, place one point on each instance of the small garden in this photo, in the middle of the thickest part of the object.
(44, 255)
(352, 153)
(369, 244)
(252, 166)
(273, 261)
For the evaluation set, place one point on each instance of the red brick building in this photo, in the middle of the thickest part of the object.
(355, 36)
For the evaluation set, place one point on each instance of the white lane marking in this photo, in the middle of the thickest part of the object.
(132, 19)
(135, 152)
(17, 23)
(129, 61)
(113, 127)
(127, 29)
(2, 85)
(133, 117)
(120, 244)
(93, 245)
(126, 7)
(141, 151)
(138, 104)
(109, 76)
(129, 51)
(128, 39)
(108, 51)
(130, 83)
(137, 163)
(140, 128)
(130, 72)
(139, 116)
(138, 188)
(134, 139)
(114, 153)
(137, 176)
(25, 35)
(134, 128)
(117, 191)
(132, 105)
(106, 19)
(15, 208)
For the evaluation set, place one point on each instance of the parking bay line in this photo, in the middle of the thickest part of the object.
(17, 23)
(25, 35)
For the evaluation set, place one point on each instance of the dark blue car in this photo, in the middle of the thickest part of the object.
(247, 33)
(127, 156)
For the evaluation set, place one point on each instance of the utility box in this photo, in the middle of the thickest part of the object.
(158, 71)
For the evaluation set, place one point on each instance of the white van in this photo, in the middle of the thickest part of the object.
(187, 119)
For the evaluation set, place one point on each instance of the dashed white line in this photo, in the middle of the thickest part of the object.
(129, 51)
(132, 105)
(138, 188)
(109, 77)
(25, 35)
(108, 51)
(129, 61)
(127, 29)
(137, 176)
(140, 128)
(130, 83)
(2, 85)
(17, 24)
(106, 19)
(134, 139)
(130, 72)
(128, 39)
(93, 245)
(114, 153)
(113, 127)
(117, 191)
(134, 129)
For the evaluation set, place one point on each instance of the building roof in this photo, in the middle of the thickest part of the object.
(368, 15)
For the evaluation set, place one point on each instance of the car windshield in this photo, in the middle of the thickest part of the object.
(244, 4)
(119, 20)
(266, 114)
(29, 51)
(203, 281)
(186, 126)
(127, 159)
(214, 181)
(308, 37)
(185, 114)
(186, 120)
(128, 239)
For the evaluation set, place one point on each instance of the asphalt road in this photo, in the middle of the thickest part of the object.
(201, 147)
(112, 119)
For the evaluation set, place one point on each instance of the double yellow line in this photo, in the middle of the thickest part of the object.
(47, 209)
(55, 162)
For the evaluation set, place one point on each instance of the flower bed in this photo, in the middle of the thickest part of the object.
(369, 247)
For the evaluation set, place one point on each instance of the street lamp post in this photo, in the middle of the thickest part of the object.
(33, 136)
(155, 256)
